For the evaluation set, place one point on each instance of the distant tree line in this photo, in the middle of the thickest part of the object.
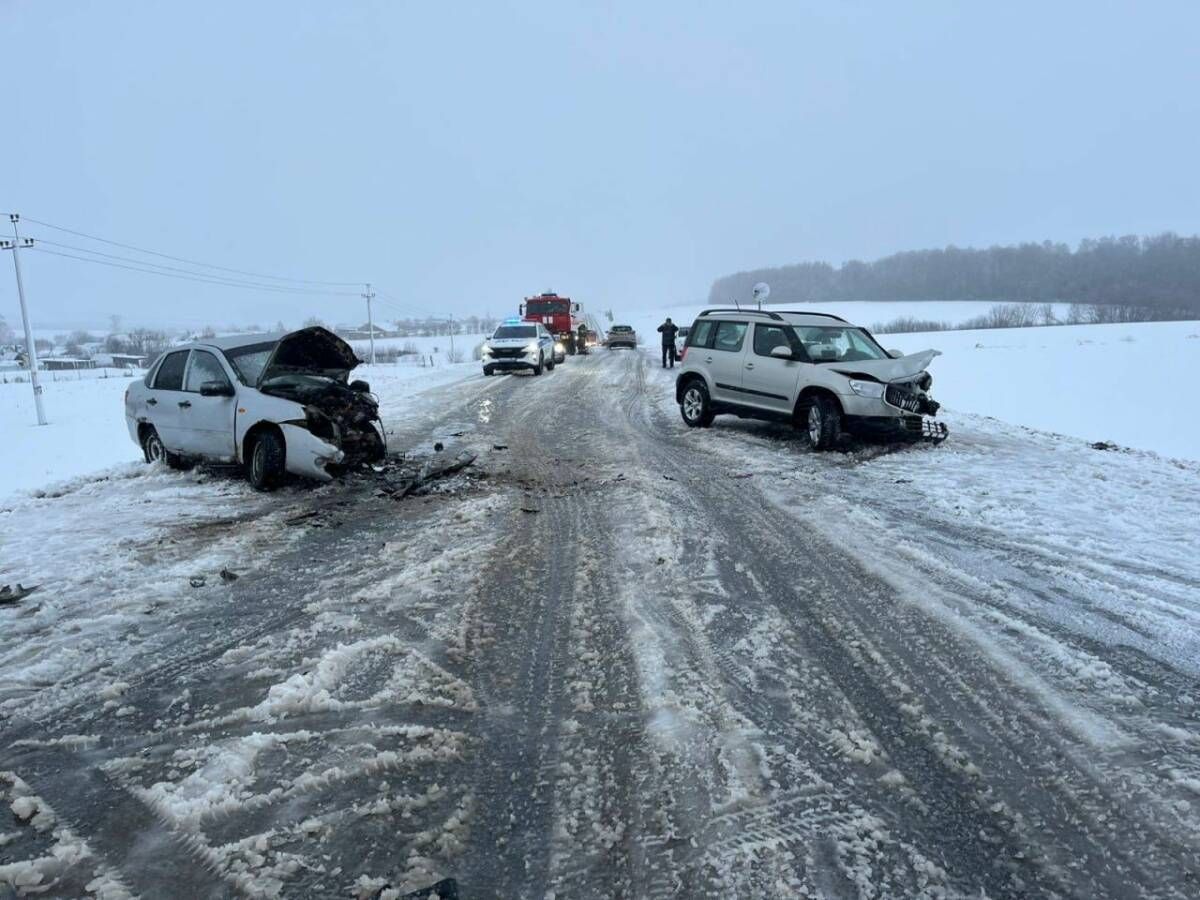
(1161, 273)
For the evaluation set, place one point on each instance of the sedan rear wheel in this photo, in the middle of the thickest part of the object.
(152, 447)
(156, 452)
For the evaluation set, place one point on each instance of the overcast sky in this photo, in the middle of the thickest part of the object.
(463, 155)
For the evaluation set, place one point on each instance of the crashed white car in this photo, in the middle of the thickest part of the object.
(816, 370)
(273, 403)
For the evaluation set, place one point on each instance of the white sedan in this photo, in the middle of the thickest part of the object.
(272, 403)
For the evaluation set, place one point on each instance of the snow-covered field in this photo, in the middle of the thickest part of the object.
(1130, 384)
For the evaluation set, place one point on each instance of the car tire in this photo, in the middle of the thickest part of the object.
(537, 370)
(695, 405)
(155, 451)
(264, 464)
(822, 423)
(550, 366)
(487, 372)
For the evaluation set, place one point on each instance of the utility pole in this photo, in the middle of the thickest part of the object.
(30, 346)
(451, 337)
(369, 296)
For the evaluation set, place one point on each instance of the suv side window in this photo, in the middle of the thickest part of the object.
(768, 337)
(701, 333)
(204, 367)
(170, 372)
(729, 336)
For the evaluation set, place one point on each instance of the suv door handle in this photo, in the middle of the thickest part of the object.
(708, 359)
(152, 402)
(185, 404)
(749, 365)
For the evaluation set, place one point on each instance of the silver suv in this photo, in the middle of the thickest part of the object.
(815, 370)
(516, 344)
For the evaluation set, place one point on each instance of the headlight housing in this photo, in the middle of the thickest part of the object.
(531, 349)
(320, 425)
(559, 348)
(872, 389)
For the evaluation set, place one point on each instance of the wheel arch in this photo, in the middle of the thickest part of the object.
(810, 393)
(683, 381)
(253, 433)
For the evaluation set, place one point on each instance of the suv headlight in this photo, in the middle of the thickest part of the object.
(871, 389)
(531, 349)
(559, 348)
(486, 352)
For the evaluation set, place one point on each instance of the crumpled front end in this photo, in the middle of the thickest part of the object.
(308, 455)
(890, 398)
(911, 398)
(335, 413)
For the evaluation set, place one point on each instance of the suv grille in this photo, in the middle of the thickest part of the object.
(902, 399)
(507, 352)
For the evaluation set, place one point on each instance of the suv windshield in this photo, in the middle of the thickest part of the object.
(248, 361)
(509, 332)
(622, 328)
(838, 344)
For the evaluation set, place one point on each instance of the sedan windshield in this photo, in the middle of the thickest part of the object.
(514, 332)
(830, 344)
(248, 361)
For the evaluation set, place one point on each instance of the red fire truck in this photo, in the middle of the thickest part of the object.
(561, 317)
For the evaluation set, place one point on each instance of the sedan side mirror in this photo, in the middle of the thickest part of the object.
(782, 352)
(216, 389)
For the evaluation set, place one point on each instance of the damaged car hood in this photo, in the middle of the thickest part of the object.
(891, 369)
(310, 351)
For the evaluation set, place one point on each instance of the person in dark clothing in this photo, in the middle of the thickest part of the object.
(668, 329)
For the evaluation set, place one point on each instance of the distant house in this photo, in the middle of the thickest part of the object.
(60, 363)
(120, 360)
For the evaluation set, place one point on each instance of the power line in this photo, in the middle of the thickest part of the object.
(191, 262)
(154, 266)
(197, 277)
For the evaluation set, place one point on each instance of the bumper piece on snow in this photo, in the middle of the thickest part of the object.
(933, 431)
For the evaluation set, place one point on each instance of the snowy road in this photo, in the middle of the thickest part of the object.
(618, 658)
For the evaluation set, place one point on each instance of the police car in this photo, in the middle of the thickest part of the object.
(516, 345)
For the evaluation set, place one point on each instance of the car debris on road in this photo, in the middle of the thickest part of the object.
(10, 595)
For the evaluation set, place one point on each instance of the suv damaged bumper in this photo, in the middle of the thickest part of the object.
(904, 428)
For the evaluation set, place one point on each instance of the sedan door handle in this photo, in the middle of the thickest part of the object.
(185, 404)
(152, 402)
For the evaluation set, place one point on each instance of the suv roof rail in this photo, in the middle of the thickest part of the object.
(804, 312)
(744, 312)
